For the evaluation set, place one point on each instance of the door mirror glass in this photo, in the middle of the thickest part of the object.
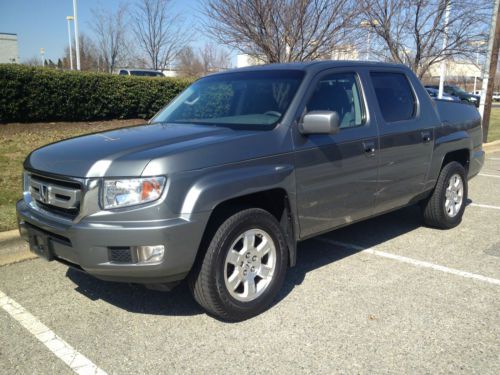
(320, 122)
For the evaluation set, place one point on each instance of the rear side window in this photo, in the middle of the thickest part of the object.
(123, 73)
(395, 96)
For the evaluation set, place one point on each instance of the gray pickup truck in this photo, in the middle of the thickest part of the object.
(223, 182)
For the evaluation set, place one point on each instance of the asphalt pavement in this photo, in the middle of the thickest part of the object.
(383, 296)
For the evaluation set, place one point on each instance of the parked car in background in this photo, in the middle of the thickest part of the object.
(434, 94)
(496, 96)
(140, 72)
(464, 96)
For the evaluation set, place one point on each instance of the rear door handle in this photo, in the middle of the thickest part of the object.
(369, 148)
(426, 137)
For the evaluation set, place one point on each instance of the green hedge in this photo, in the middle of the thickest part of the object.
(30, 94)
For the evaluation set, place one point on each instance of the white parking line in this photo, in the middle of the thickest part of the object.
(65, 352)
(492, 158)
(414, 262)
(484, 206)
(488, 175)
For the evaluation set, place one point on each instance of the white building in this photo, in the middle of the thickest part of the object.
(245, 59)
(456, 69)
(343, 52)
(8, 49)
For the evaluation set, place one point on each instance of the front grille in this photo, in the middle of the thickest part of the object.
(57, 196)
(120, 255)
(68, 213)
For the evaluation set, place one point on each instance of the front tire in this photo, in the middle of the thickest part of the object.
(445, 207)
(244, 266)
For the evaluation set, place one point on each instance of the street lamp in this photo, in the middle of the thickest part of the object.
(42, 54)
(368, 25)
(445, 46)
(477, 44)
(77, 43)
(69, 19)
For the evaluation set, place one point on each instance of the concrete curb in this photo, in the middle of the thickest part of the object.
(13, 249)
(491, 147)
(8, 235)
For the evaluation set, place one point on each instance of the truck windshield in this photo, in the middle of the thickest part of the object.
(239, 100)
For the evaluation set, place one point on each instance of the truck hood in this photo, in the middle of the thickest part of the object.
(128, 151)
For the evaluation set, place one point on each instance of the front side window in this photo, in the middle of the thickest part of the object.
(340, 93)
(256, 100)
(394, 95)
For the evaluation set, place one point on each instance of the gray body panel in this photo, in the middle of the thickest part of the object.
(329, 180)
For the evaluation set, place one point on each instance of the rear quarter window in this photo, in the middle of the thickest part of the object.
(394, 95)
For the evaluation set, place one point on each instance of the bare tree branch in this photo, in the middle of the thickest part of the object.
(282, 30)
(411, 31)
(110, 33)
(161, 34)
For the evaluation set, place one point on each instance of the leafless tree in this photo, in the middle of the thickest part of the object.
(208, 59)
(411, 32)
(89, 59)
(282, 30)
(188, 63)
(33, 61)
(214, 59)
(160, 32)
(110, 30)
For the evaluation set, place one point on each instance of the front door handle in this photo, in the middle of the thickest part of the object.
(426, 137)
(369, 148)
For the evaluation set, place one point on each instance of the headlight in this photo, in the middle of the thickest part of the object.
(130, 192)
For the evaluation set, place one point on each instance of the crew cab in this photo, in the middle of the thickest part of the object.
(220, 186)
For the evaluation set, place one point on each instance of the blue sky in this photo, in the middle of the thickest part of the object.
(42, 23)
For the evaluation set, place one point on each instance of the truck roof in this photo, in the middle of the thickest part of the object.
(315, 65)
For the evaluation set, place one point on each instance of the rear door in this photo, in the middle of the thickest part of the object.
(336, 174)
(406, 139)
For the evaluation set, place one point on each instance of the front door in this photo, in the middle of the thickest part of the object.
(336, 174)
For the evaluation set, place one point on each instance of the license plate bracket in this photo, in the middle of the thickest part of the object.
(40, 244)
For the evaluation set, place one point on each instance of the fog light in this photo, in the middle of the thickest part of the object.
(149, 254)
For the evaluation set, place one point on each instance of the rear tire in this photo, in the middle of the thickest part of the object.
(244, 266)
(445, 207)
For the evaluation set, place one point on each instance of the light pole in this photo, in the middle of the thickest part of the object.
(445, 45)
(367, 25)
(477, 44)
(475, 75)
(77, 43)
(69, 19)
(489, 69)
(42, 54)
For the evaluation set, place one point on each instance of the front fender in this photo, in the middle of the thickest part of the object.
(219, 186)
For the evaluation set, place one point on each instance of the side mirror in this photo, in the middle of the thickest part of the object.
(320, 122)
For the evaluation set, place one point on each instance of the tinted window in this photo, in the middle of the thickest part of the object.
(340, 93)
(238, 100)
(395, 96)
(145, 73)
(123, 72)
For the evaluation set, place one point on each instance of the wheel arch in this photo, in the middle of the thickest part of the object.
(276, 201)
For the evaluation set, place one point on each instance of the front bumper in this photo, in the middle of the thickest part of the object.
(476, 162)
(85, 245)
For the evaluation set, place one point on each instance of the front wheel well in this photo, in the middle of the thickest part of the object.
(275, 201)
